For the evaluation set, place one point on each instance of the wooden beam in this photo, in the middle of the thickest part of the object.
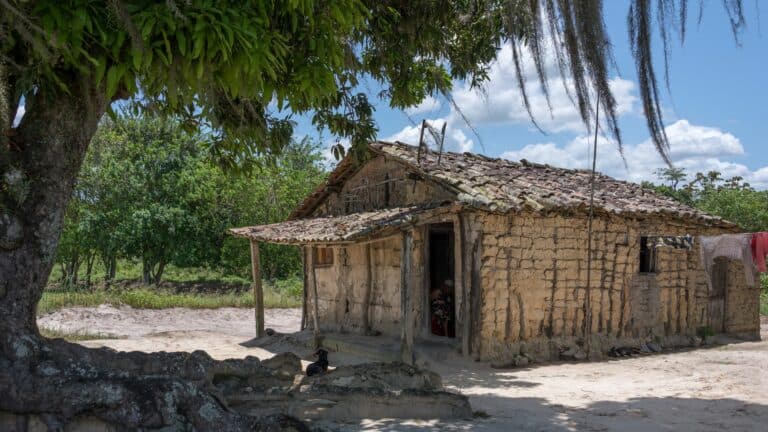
(315, 301)
(258, 291)
(368, 289)
(406, 293)
(461, 262)
(304, 288)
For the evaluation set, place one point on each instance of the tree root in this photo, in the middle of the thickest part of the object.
(59, 382)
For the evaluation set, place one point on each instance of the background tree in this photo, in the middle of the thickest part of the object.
(732, 198)
(222, 68)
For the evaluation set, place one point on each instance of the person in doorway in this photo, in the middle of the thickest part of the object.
(450, 328)
(437, 312)
(441, 305)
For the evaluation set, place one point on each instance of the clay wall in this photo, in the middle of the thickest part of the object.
(533, 285)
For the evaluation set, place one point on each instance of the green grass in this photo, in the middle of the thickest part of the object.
(131, 270)
(150, 298)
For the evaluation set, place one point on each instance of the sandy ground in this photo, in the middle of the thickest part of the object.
(709, 389)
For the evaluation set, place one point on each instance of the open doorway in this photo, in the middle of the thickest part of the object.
(442, 291)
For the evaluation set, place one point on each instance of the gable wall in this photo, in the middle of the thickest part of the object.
(381, 183)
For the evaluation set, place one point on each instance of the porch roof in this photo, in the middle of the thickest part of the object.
(338, 229)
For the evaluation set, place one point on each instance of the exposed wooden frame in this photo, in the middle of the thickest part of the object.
(305, 287)
(368, 289)
(315, 298)
(406, 293)
(258, 291)
(462, 273)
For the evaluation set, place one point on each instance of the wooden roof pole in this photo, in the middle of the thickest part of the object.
(587, 299)
(258, 291)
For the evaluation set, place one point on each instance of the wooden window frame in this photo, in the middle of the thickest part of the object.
(324, 257)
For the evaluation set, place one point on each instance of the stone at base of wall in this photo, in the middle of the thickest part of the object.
(543, 349)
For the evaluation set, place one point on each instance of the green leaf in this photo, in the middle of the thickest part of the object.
(112, 80)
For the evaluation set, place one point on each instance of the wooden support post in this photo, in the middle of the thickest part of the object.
(304, 288)
(258, 292)
(368, 290)
(462, 268)
(315, 306)
(406, 293)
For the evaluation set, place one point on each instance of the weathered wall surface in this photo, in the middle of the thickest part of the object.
(533, 278)
(381, 183)
(742, 303)
(342, 286)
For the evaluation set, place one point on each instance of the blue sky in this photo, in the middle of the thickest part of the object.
(716, 115)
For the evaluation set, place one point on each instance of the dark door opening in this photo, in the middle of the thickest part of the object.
(717, 295)
(442, 291)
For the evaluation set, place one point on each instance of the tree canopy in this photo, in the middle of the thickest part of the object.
(732, 198)
(243, 68)
(146, 192)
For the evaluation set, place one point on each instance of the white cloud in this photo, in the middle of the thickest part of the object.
(19, 114)
(430, 104)
(500, 101)
(694, 148)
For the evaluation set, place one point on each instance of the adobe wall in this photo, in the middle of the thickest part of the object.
(533, 278)
(342, 286)
(382, 183)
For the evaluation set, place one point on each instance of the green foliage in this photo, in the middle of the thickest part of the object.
(148, 193)
(145, 298)
(732, 199)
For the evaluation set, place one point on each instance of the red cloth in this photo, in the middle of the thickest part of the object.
(760, 250)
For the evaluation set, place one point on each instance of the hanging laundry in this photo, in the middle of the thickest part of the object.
(677, 242)
(760, 249)
(733, 246)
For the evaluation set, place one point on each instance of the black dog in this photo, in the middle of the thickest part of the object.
(321, 365)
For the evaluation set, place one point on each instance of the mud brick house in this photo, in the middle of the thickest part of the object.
(509, 240)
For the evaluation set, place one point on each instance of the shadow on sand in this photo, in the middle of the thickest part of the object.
(633, 415)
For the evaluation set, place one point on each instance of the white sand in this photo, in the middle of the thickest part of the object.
(709, 389)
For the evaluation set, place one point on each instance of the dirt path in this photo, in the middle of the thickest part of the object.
(711, 389)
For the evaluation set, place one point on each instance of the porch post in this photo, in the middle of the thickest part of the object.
(368, 288)
(406, 294)
(258, 292)
(315, 302)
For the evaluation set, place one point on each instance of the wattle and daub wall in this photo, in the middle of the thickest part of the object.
(527, 277)
(533, 286)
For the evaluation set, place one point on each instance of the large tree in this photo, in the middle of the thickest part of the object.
(233, 68)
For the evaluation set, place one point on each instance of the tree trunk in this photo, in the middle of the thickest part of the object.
(146, 272)
(73, 268)
(53, 379)
(111, 268)
(159, 273)
(88, 269)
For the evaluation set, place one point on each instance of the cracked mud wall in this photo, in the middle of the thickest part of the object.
(342, 286)
(533, 279)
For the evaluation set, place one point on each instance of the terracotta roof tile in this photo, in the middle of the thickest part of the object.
(335, 229)
(501, 185)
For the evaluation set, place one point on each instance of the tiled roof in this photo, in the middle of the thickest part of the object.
(500, 185)
(335, 229)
